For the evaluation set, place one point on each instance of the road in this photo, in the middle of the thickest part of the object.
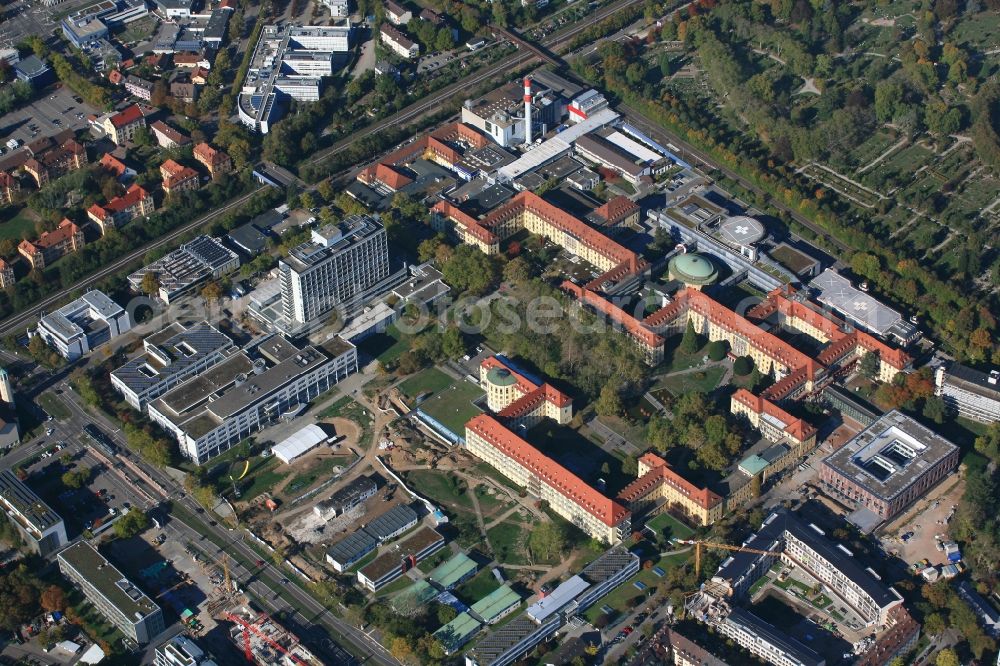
(692, 154)
(16, 322)
(434, 102)
(263, 582)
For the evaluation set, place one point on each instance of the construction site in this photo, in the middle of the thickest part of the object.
(265, 642)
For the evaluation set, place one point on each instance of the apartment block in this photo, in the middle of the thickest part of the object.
(518, 400)
(43, 530)
(216, 161)
(398, 42)
(973, 394)
(178, 178)
(135, 203)
(122, 126)
(83, 325)
(659, 488)
(57, 161)
(265, 381)
(51, 245)
(115, 597)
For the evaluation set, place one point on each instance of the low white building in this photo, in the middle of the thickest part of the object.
(338, 8)
(299, 443)
(973, 394)
(85, 324)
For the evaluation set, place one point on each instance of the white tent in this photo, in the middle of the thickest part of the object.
(299, 443)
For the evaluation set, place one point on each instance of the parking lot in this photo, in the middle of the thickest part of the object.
(55, 112)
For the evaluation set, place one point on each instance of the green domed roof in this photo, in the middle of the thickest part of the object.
(500, 377)
(693, 268)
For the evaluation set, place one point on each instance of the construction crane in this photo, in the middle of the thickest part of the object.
(172, 588)
(698, 545)
(249, 627)
(225, 573)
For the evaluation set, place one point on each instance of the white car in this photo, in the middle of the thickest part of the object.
(49, 431)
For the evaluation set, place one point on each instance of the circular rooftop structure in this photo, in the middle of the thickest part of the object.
(500, 377)
(693, 269)
(741, 230)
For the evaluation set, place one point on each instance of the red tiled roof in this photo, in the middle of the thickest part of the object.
(7, 180)
(206, 153)
(132, 196)
(603, 508)
(633, 326)
(661, 473)
(617, 209)
(115, 77)
(60, 234)
(127, 116)
(469, 223)
(718, 314)
(113, 164)
(795, 427)
(523, 383)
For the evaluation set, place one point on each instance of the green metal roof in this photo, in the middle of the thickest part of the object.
(495, 603)
(449, 573)
(457, 633)
(693, 267)
(413, 597)
(753, 465)
(500, 377)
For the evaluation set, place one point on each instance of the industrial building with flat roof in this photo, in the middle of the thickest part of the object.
(864, 311)
(122, 603)
(401, 556)
(973, 394)
(85, 324)
(168, 358)
(183, 270)
(42, 528)
(268, 379)
(496, 605)
(348, 497)
(288, 62)
(887, 466)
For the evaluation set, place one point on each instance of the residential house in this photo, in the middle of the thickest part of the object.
(184, 89)
(122, 126)
(54, 162)
(191, 60)
(397, 13)
(136, 202)
(216, 161)
(6, 274)
(178, 178)
(9, 186)
(51, 245)
(167, 136)
(400, 44)
(121, 170)
(138, 87)
(199, 76)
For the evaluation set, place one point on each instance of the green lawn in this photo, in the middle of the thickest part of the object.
(508, 540)
(477, 587)
(668, 527)
(619, 597)
(17, 221)
(452, 407)
(702, 381)
(439, 487)
(262, 477)
(385, 347)
(675, 359)
(54, 406)
(430, 380)
(490, 504)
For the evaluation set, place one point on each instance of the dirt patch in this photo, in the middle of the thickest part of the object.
(349, 430)
(927, 518)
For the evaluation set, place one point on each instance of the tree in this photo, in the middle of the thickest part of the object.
(547, 541)
(755, 485)
(517, 271)
(470, 270)
(211, 291)
(76, 479)
(869, 364)
(150, 283)
(717, 350)
(934, 624)
(947, 657)
(988, 443)
(142, 137)
(445, 613)
(689, 341)
(132, 523)
(630, 465)
(742, 366)
(935, 409)
(453, 343)
(53, 598)
(609, 403)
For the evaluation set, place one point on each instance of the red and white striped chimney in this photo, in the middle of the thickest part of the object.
(527, 110)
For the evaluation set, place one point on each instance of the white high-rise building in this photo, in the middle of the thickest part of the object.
(333, 270)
